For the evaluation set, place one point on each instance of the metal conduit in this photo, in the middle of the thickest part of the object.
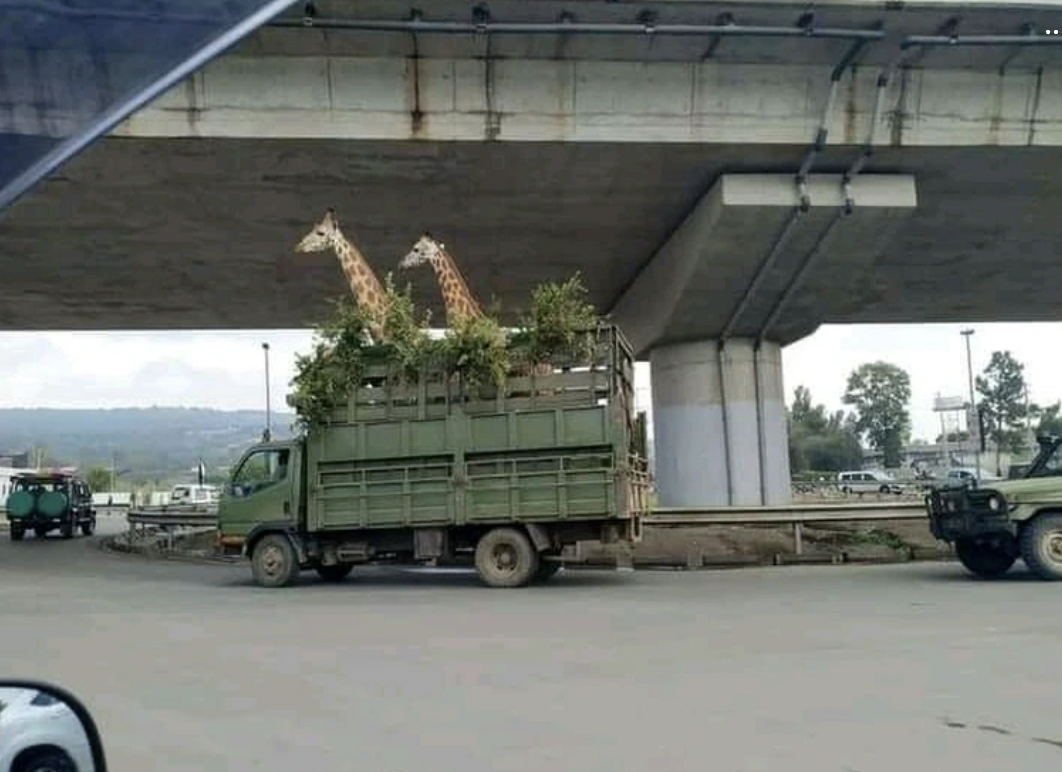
(417, 25)
(914, 41)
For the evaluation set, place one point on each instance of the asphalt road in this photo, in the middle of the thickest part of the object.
(846, 669)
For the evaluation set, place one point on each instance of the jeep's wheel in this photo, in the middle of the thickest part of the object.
(18, 532)
(334, 573)
(505, 557)
(273, 562)
(66, 530)
(981, 559)
(45, 761)
(88, 527)
(1041, 546)
(40, 532)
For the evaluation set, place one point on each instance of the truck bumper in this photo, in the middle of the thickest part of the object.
(952, 516)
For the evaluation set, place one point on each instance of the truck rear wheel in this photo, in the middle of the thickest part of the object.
(18, 532)
(1041, 546)
(273, 561)
(982, 559)
(505, 557)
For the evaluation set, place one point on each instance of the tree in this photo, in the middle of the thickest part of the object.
(880, 393)
(1048, 419)
(1002, 389)
(98, 479)
(818, 441)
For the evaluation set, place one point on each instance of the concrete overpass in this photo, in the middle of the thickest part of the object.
(725, 183)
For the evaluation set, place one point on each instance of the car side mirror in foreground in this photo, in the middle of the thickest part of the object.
(45, 728)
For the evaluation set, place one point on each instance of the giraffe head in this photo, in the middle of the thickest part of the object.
(426, 250)
(322, 236)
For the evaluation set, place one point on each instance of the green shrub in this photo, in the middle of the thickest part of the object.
(478, 353)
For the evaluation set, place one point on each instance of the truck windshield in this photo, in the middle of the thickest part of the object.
(1048, 463)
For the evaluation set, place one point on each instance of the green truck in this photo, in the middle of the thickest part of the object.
(443, 473)
(993, 525)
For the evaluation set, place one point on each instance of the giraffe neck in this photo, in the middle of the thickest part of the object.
(457, 297)
(364, 285)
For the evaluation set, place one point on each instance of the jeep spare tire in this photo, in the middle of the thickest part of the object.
(20, 504)
(52, 503)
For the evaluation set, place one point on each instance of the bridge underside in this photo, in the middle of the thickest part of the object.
(198, 233)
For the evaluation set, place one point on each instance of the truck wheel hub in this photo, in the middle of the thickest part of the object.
(1054, 546)
(272, 560)
(504, 557)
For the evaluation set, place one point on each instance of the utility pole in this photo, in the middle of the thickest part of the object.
(973, 403)
(268, 435)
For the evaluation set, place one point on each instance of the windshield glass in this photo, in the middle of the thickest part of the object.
(1048, 463)
(73, 70)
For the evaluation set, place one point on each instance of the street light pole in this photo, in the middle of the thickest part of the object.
(269, 415)
(973, 403)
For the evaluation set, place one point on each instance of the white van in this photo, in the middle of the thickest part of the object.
(194, 494)
(868, 481)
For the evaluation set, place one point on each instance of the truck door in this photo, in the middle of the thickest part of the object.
(260, 491)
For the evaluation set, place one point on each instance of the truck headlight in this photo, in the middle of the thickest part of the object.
(995, 503)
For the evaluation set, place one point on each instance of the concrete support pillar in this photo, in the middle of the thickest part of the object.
(720, 425)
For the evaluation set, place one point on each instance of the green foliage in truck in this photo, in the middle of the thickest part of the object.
(994, 525)
(484, 447)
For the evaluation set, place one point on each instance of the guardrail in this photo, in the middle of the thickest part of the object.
(794, 515)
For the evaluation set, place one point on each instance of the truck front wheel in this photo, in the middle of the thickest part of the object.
(505, 557)
(1041, 546)
(983, 559)
(273, 561)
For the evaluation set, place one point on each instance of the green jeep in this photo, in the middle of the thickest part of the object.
(992, 526)
(44, 501)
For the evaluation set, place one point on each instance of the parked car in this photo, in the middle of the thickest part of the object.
(868, 481)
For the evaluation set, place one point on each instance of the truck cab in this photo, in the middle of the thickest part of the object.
(263, 492)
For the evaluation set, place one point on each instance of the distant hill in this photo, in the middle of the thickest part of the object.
(154, 444)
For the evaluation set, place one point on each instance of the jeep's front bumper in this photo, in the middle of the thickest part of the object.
(963, 513)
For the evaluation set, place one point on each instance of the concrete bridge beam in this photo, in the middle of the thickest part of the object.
(720, 435)
(750, 261)
(364, 98)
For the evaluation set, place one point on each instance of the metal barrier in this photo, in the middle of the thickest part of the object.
(795, 515)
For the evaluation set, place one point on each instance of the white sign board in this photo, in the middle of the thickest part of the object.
(943, 404)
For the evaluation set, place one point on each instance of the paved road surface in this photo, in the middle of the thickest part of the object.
(826, 669)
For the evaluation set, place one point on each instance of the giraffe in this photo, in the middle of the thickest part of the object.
(366, 288)
(457, 297)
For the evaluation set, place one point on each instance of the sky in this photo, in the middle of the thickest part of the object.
(226, 369)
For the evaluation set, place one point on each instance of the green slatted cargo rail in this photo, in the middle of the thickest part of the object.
(436, 472)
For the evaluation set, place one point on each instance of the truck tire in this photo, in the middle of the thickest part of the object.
(506, 558)
(334, 573)
(983, 560)
(66, 530)
(18, 532)
(88, 527)
(1041, 546)
(274, 562)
